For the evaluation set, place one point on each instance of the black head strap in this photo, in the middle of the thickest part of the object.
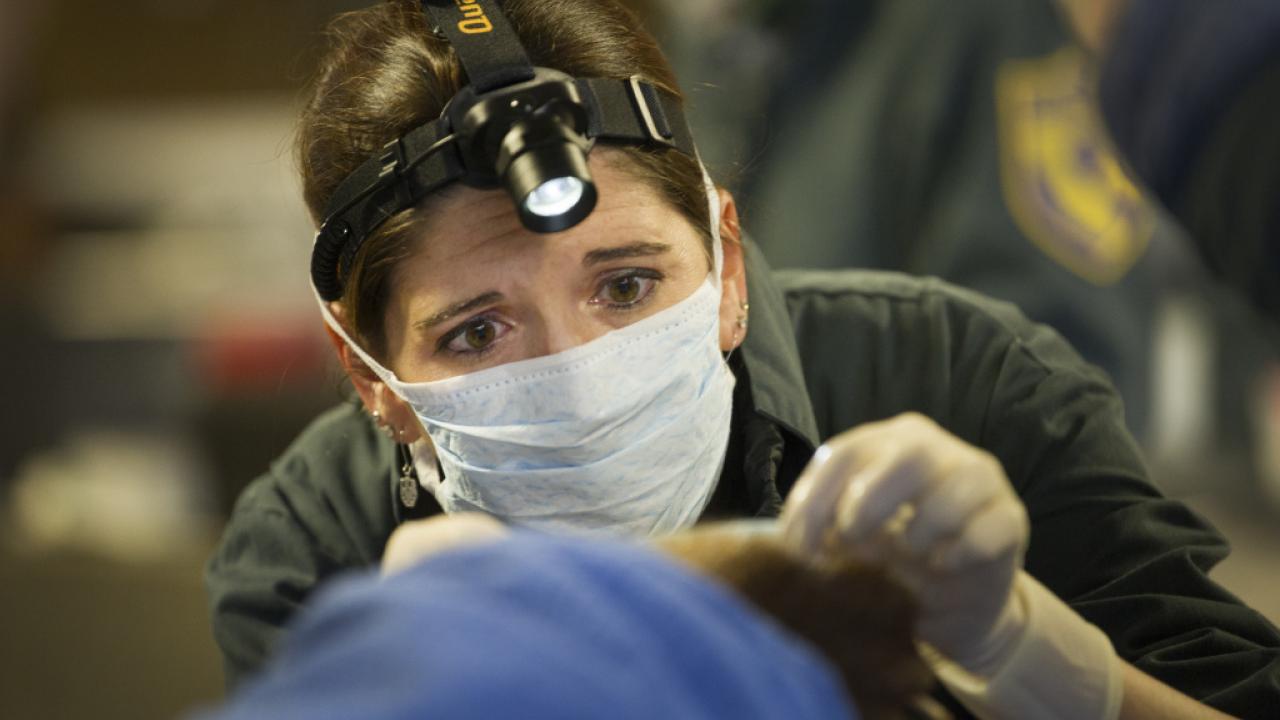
(409, 169)
(627, 112)
(490, 51)
(634, 112)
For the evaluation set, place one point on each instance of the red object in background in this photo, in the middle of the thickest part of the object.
(250, 355)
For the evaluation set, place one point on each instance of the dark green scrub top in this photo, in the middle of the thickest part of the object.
(827, 352)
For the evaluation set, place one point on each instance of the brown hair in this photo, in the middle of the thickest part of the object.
(385, 73)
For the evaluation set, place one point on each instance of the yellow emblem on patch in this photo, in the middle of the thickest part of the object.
(1062, 182)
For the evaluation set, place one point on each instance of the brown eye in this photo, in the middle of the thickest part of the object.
(479, 335)
(627, 291)
(624, 290)
(474, 337)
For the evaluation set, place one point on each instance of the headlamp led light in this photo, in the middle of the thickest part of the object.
(523, 128)
(534, 137)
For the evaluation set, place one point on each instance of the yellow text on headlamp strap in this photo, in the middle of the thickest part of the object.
(474, 21)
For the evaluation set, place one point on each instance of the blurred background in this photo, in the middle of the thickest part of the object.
(161, 346)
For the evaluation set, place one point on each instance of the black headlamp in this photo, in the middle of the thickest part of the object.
(528, 130)
(531, 138)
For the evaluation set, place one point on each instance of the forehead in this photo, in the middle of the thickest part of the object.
(466, 221)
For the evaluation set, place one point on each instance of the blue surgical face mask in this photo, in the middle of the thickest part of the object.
(625, 434)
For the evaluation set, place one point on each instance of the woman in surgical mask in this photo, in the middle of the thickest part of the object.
(644, 370)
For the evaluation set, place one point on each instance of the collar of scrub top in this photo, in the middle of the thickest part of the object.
(427, 158)
(771, 356)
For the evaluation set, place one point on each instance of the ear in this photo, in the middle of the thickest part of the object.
(377, 398)
(733, 277)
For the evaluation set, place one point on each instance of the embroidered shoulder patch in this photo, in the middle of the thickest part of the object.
(1062, 181)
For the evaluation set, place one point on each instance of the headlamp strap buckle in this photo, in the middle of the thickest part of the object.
(394, 162)
(654, 120)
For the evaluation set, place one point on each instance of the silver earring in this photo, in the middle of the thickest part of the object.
(742, 323)
(737, 338)
(382, 425)
(739, 330)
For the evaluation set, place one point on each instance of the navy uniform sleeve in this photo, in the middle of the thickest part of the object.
(1189, 92)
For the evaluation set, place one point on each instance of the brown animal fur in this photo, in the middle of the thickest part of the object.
(858, 617)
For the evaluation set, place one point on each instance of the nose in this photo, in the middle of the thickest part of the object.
(566, 330)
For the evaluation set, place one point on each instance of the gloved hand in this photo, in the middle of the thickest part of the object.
(943, 517)
(938, 512)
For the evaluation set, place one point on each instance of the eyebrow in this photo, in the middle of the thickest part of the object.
(459, 308)
(638, 249)
(595, 257)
